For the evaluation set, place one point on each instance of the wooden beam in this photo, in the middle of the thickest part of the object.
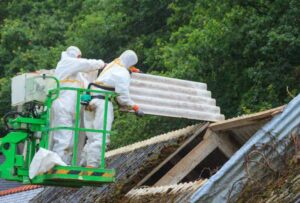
(189, 162)
(210, 142)
(225, 144)
(245, 120)
(171, 158)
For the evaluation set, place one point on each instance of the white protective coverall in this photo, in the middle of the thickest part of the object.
(115, 75)
(68, 72)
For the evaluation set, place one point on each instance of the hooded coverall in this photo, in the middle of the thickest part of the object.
(68, 72)
(117, 76)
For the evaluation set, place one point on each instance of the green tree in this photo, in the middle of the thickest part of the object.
(246, 51)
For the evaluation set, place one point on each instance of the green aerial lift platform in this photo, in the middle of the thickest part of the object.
(30, 129)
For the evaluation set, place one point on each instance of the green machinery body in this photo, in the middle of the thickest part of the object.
(30, 131)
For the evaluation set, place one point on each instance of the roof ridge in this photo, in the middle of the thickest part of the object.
(159, 138)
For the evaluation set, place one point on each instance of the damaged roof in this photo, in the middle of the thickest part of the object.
(170, 193)
(20, 194)
(132, 163)
(274, 136)
(140, 160)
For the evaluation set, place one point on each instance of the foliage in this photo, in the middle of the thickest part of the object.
(246, 51)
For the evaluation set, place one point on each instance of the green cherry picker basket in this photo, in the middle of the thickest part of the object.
(30, 129)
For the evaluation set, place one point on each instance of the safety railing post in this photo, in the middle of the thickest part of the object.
(45, 134)
(104, 131)
(77, 123)
(45, 138)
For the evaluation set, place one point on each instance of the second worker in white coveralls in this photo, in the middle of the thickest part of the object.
(115, 77)
(68, 71)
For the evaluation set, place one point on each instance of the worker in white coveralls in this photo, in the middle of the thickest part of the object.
(68, 72)
(114, 77)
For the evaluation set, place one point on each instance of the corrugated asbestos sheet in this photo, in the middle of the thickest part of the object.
(171, 193)
(164, 96)
(18, 197)
(132, 163)
(274, 133)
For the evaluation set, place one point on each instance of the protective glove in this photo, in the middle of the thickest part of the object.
(137, 110)
(135, 69)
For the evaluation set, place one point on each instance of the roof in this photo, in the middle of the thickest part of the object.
(18, 189)
(239, 129)
(245, 120)
(243, 127)
(275, 134)
(136, 161)
(139, 163)
(132, 164)
(169, 193)
(21, 196)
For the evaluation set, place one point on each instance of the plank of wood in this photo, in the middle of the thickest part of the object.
(245, 120)
(197, 133)
(189, 162)
(225, 144)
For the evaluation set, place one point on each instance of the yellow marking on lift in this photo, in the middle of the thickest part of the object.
(62, 171)
(107, 175)
(86, 173)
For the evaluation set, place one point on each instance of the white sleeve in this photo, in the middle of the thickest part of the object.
(122, 84)
(68, 66)
(85, 65)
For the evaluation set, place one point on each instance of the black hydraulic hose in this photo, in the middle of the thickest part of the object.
(101, 86)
